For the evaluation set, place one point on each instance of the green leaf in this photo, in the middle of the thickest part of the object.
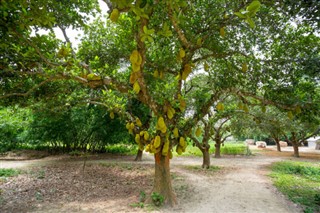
(254, 7)
(240, 15)
(250, 22)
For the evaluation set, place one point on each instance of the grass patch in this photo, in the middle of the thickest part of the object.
(227, 149)
(9, 172)
(121, 149)
(300, 181)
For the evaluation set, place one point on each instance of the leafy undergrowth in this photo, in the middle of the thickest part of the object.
(67, 187)
(9, 172)
(300, 181)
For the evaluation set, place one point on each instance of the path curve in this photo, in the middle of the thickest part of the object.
(243, 186)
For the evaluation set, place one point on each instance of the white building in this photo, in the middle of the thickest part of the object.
(312, 141)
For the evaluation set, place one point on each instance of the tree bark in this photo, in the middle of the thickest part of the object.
(278, 144)
(162, 179)
(295, 149)
(217, 152)
(206, 158)
(139, 155)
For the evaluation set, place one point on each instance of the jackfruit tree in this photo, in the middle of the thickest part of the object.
(149, 50)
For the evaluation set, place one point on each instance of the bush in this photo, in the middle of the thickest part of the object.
(14, 123)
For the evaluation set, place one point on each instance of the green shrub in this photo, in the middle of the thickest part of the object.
(157, 199)
(9, 172)
(300, 181)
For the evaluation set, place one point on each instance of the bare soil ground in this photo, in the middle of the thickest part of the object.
(111, 183)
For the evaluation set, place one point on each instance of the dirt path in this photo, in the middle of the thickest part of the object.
(242, 185)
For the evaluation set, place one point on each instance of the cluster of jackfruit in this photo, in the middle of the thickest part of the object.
(158, 74)
(136, 61)
(170, 112)
(181, 147)
(130, 127)
(141, 139)
(155, 145)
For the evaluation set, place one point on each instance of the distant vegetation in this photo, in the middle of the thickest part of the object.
(229, 148)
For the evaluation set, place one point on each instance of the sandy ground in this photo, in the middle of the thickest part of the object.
(241, 185)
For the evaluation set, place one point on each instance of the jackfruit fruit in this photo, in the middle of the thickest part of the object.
(220, 106)
(161, 125)
(186, 71)
(136, 87)
(182, 53)
(182, 142)
(244, 67)
(134, 57)
(146, 136)
(206, 67)
(157, 142)
(182, 105)
(176, 132)
(156, 74)
(198, 132)
(114, 15)
(179, 150)
(137, 138)
(111, 115)
(138, 122)
(165, 148)
(222, 32)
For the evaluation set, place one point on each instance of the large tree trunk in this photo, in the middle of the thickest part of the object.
(217, 152)
(206, 158)
(295, 149)
(162, 179)
(139, 155)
